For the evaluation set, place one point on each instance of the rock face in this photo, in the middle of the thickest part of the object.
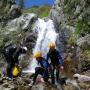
(70, 11)
(19, 31)
(19, 28)
(5, 6)
(82, 78)
(72, 20)
(71, 15)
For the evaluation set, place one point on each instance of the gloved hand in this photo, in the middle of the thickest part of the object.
(49, 69)
(61, 69)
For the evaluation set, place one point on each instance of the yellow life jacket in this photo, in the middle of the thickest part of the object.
(16, 71)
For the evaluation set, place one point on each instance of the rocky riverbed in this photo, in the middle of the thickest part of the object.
(23, 83)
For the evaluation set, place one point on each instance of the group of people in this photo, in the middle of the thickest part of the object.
(56, 63)
(46, 69)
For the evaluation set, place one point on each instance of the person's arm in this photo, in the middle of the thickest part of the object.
(16, 55)
(47, 58)
(60, 60)
(48, 65)
(38, 62)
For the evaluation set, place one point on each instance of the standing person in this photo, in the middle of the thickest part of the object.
(11, 55)
(42, 69)
(56, 62)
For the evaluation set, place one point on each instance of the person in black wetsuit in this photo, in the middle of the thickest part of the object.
(11, 54)
(56, 62)
(43, 69)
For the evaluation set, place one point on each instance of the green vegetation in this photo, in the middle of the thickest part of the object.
(41, 11)
(72, 39)
(87, 53)
(82, 26)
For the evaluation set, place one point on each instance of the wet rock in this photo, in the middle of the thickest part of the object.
(82, 78)
(26, 80)
(27, 88)
(5, 85)
(70, 87)
(23, 84)
(42, 86)
(11, 87)
(84, 85)
(1, 80)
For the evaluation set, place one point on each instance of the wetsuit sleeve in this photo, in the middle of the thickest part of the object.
(48, 65)
(38, 62)
(47, 58)
(60, 59)
(16, 55)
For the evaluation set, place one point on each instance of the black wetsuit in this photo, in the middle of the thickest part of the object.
(8, 53)
(56, 60)
(11, 56)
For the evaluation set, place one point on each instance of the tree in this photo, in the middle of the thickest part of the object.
(21, 4)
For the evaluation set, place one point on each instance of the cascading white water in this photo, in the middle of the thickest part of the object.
(46, 34)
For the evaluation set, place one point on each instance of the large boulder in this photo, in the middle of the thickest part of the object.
(24, 22)
(19, 29)
(84, 42)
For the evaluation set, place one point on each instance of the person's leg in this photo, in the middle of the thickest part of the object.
(36, 74)
(45, 75)
(52, 75)
(9, 70)
(57, 73)
(38, 70)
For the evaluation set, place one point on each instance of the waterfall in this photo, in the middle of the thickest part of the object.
(46, 34)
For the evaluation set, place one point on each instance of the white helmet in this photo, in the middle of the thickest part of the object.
(25, 48)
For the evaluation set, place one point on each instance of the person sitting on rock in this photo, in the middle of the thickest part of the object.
(56, 62)
(43, 69)
(11, 54)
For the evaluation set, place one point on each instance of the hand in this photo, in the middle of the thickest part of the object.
(16, 64)
(49, 69)
(61, 68)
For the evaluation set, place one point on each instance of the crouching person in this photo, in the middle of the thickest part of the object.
(43, 69)
(11, 54)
